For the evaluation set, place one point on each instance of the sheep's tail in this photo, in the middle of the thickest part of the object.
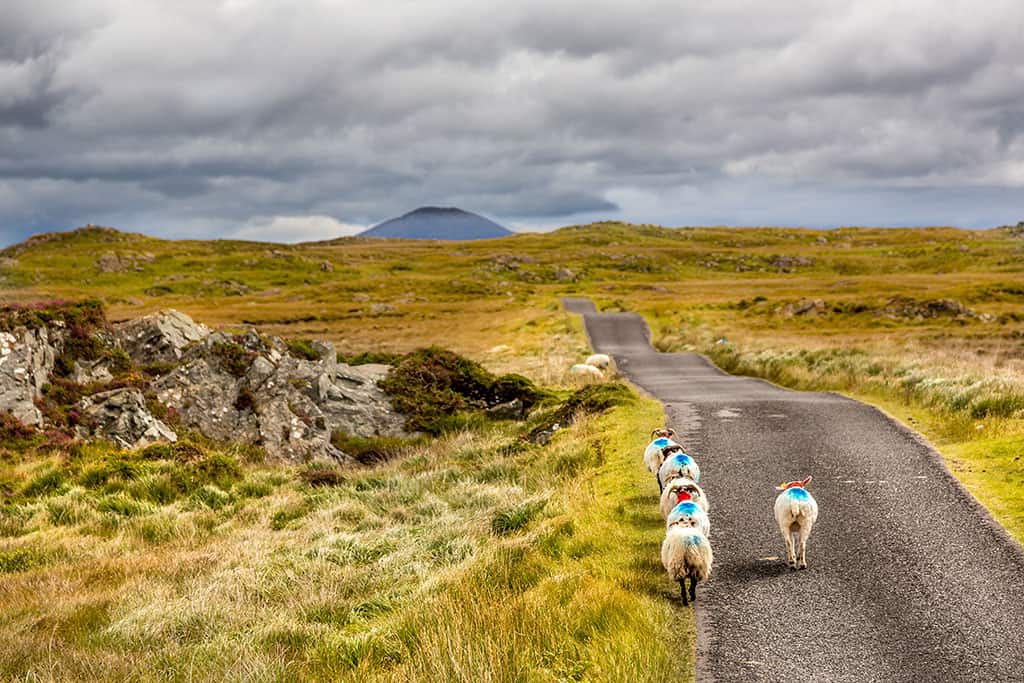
(698, 557)
(794, 507)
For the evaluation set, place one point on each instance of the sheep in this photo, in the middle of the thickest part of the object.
(586, 372)
(795, 511)
(653, 455)
(688, 513)
(686, 554)
(599, 360)
(676, 464)
(674, 487)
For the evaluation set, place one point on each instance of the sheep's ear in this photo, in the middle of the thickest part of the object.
(654, 434)
(671, 432)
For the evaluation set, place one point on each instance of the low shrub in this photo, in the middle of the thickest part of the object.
(430, 386)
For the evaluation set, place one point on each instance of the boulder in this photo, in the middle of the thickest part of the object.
(88, 372)
(160, 337)
(290, 406)
(122, 417)
(26, 360)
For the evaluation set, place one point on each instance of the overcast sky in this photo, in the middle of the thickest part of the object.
(268, 120)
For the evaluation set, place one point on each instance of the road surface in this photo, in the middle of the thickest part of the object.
(909, 577)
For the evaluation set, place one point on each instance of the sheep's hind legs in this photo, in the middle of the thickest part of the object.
(790, 551)
(693, 589)
(682, 591)
(803, 551)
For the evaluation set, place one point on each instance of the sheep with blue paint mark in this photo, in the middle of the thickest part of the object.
(795, 512)
(688, 513)
(654, 453)
(677, 485)
(677, 464)
(686, 555)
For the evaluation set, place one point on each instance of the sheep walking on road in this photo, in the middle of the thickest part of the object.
(654, 454)
(677, 485)
(686, 554)
(687, 513)
(676, 464)
(795, 511)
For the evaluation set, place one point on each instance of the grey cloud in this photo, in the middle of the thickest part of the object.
(197, 117)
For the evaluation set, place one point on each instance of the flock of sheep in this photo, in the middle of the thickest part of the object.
(686, 551)
(594, 368)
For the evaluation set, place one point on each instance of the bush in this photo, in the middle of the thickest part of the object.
(430, 385)
(367, 357)
(367, 451)
(303, 348)
(234, 359)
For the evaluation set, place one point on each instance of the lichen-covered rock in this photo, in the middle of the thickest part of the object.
(160, 337)
(248, 388)
(27, 357)
(121, 416)
(88, 372)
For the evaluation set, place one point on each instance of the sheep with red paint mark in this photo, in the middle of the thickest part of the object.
(796, 511)
(670, 494)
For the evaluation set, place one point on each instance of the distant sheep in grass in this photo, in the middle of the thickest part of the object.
(677, 464)
(599, 360)
(677, 485)
(795, 512)
(686, 554)
(687, 513)
(586, 372)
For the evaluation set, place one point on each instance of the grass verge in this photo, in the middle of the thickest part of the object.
(477, 556)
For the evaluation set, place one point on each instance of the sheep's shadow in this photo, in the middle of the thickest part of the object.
(754, 570)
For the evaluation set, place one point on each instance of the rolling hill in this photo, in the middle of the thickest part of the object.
(438, 223)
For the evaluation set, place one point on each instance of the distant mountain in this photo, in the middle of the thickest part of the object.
(436, 223)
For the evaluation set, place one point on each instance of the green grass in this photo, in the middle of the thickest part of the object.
(476, 556)
(513, 561)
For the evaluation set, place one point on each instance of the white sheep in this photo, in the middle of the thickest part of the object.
(677, 485)
(677, 464)
(599, 360)
(688, 513)
(686, 554)
(586, 372)
(653, 455)
(795, 511)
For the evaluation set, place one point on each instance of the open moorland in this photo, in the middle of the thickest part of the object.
(426, 565)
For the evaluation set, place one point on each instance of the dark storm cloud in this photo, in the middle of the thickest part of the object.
(243, 117)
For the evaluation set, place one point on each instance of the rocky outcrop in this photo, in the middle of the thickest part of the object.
(160, 337)
(121, 416)
(27, 357)
(231, 387)
(250, 388)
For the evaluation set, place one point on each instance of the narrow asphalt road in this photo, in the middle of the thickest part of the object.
(909, 578)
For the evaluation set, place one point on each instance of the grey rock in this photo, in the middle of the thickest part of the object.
(26, 360)
(87, 372)
(111, 263)
(160, 337)
(287, 405)
(122, 417)
(326, 266)
(510, 410)
(565, 275)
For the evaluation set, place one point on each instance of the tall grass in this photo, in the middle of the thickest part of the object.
(472, 558)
